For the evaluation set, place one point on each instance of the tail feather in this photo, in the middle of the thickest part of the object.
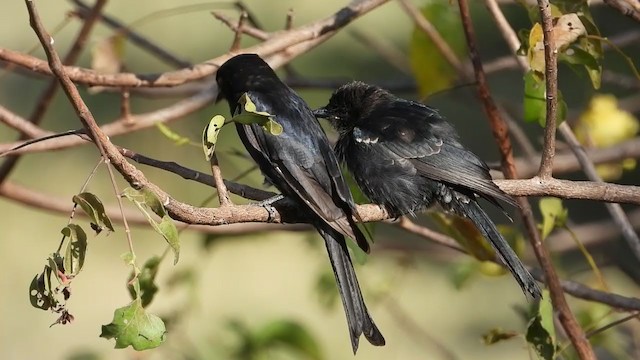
(358, 318)
(474, 212)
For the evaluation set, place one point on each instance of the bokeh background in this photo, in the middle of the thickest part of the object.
(260, 278)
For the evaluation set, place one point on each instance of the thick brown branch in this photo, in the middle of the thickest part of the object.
(567, 189)
(48, 202)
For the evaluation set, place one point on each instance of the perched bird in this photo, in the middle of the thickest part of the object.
(406, 157)
(302, 165)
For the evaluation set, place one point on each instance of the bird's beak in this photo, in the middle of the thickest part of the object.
(321, 113)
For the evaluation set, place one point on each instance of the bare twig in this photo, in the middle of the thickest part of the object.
(575, 289)
(615, 210)
(48, 202)
(428, 28)
(44, 100)
(223, 194)
(591, 233)
(134, 37)
(429, 234)
(500, 131)
(121, 126)
(390, 54)
(296, 41)
(630, 8)
(510, 37)
(246, 29)
(81, 109)
(235, 45)
(551, 79)
(288, 23)
(608, 326)
(125, 106)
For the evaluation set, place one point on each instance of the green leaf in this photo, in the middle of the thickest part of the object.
(210, 135)
(168, 229)
(76, 249)
(133, 326)
(146, 199)
(153, 202)
(545, 309)
(534, 100)
(535, 104)
(554, 214)
(540, 331)
(462, 272)
(431, 70)
(146, 278)
(129, 258)
(326, 289)
(94, 208)
(40, 294)
(249, 114)
(494, 336)
(172, 135)
(278, 334)
(288, 334)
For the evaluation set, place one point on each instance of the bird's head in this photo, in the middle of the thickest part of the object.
(243, 73)
(350, 104)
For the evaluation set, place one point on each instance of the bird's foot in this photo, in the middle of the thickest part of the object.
(267, 204)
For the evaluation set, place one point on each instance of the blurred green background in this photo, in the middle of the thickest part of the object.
(257, 278)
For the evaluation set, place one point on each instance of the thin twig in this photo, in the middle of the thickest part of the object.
(125, 106)
(288, 23)
(134, 37)
(296, 41)
(608, 326)
(223, 194)
(249, 30)
(46, 97)
(425, 25)
(551, 79)
(235, 45)
(510, 37)
(80, 107)
(630, 8)
(386, 51)
(618, 215)
(429, 234)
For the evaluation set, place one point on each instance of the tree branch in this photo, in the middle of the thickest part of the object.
(296, 41)
(551, 79)
(500, 131)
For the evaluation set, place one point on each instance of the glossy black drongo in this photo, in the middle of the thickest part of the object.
(406, 157)
(302, 165)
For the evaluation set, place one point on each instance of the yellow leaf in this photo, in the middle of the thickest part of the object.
(602, 125)
(536, 49)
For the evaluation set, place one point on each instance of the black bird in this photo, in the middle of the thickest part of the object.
(302, 165)
(406, 157)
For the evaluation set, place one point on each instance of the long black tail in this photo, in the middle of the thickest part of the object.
(358, 317)
(474, 212)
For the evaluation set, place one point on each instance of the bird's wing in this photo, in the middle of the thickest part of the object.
(415, 132)
(303, 159)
